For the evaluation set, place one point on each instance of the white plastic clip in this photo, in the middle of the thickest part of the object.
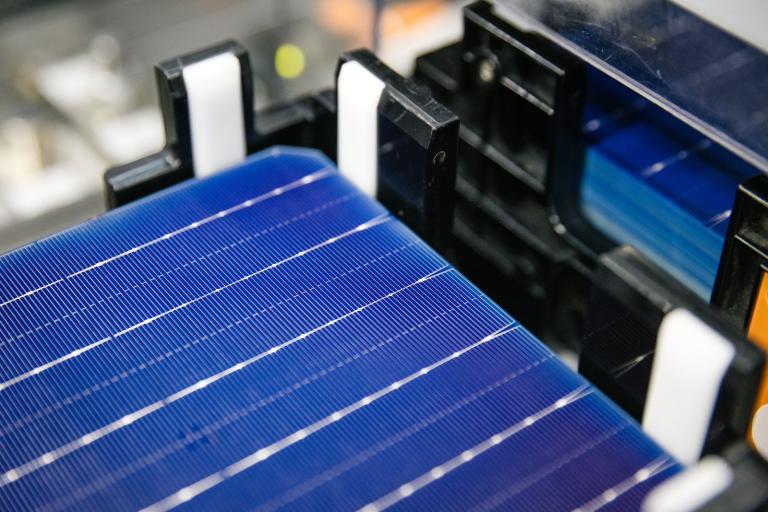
(215, 99)
(688, 368)
(359, 92)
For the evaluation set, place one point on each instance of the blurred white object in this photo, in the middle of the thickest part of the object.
(692, 488)
(89, 90)
(131, 136)
(50, 178)
(53, 188)
(400, 48)
(20, 151)
(760, 431)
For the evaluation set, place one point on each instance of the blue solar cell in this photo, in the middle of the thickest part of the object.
(655, 184)
(268, 338)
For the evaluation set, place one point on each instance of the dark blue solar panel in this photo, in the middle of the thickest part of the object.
(269, 338)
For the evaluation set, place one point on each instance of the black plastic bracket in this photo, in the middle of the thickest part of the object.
(174, 163)
(518, 225)
(630, 298)
(417, 152)
(520, 99)
(745, 253)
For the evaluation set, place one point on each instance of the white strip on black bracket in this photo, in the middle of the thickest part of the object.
(397, 144)
(634, 335)
(702, 388)
(216, 113)
(207, 102)
(688, 369)
(206, 98)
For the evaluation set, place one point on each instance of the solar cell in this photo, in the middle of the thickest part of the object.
(269, 338)
(657, 185)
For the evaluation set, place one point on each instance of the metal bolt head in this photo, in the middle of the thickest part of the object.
(486, 70)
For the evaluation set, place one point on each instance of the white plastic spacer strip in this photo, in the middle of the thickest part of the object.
(216, 115)
(691, 489)
(688, 368)
(359, 92)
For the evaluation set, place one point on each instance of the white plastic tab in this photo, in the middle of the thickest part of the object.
(359, 92)
(690, 362)
(216, 116)
(691, 489)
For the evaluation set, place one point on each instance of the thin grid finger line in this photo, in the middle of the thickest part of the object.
(250, 238)
(407, 489)
(164, 452)
(339, 469)
(376, 221)
(11, 427)
(14, 474)
(306, 180)
(214, 479)
(506, 494)
(656, 467)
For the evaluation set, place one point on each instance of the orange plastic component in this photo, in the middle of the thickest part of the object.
(758, 333)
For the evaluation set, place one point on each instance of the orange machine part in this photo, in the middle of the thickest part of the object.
(758, 333)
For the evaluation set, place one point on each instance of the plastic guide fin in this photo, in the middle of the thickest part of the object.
(206, 99)
(359, 92)
(215, 103)
(689, 366)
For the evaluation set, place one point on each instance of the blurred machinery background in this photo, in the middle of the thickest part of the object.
(77, 91)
